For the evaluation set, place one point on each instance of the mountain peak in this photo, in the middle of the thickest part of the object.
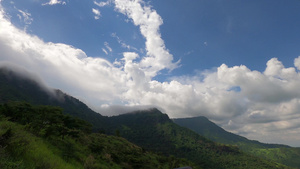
(150, 116)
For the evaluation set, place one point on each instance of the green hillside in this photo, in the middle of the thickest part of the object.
(210, 130)
(280, 153)
(42, 137)
(156, 132)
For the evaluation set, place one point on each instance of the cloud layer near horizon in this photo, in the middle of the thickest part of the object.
(260, 105)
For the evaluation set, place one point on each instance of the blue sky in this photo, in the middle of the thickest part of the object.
(202, 34)
(235, 62)
(231, 32)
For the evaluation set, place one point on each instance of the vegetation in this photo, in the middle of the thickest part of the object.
(42, 137)
(275, 152)
(156, 132)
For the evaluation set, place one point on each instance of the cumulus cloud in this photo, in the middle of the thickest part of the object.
(266, 103)
(265, 106)
(158, 57)
(61, 66)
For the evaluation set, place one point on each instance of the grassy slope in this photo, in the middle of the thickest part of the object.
(21, 149)
(279, 153)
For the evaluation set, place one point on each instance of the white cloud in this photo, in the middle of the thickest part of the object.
(106, 44)
(97, 13)
(26, 17)
(102, 3)
(107, 48)
(123, 44)
(297, 63)
(158, 57)
(104, 50)
(61, 66)
(267, 104)
(54, 2)
(265, 108)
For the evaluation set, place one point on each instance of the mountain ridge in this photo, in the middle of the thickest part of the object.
(203, 126)
(36, 93)
(156, 132)
(276, 152)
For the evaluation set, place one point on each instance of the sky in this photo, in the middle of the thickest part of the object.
(235, 62)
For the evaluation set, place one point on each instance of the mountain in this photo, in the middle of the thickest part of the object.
(210, 130)
(156, 132)
(17, 87)
(276, 152)
(149, 129)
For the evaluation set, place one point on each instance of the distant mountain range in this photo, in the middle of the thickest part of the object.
(280, 153)
(155, 131)
(210, 130)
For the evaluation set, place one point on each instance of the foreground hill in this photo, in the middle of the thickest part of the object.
(42, 137)
(151, 130)
(280, 153)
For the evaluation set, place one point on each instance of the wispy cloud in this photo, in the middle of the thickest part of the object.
(55, 2)
(104, 50)
(122, 43)
(103, 3)
(97, 13)
(107, 46)
(25, 16)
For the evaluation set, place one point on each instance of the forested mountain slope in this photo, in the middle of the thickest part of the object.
(154, 131)
(42, 137)
(276, 152)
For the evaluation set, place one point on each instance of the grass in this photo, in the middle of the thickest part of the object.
(29, 151)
